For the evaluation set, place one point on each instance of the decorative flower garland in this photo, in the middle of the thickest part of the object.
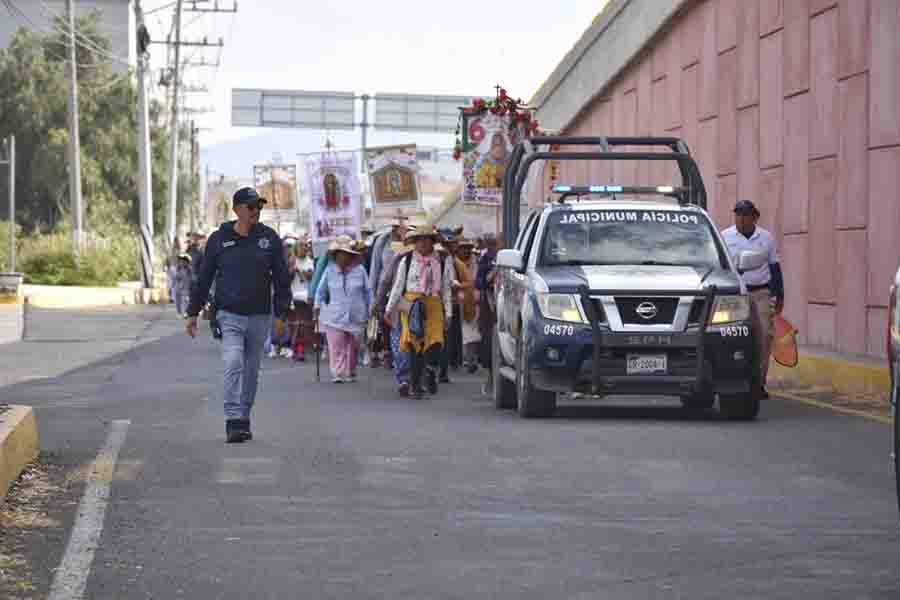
(504, 106)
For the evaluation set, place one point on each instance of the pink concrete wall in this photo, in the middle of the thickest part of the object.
(793, 104)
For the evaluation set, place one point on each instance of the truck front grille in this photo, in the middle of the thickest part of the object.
(629, 310)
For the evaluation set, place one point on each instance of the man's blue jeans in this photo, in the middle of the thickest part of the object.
(242, 348)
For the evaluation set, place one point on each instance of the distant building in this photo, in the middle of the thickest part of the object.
(116, 22)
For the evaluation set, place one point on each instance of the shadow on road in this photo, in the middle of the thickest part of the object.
(637, 413)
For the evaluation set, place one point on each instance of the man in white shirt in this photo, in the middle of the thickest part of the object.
(765, 284)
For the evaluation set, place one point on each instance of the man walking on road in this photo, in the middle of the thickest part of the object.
(765, 284)
(246, 260)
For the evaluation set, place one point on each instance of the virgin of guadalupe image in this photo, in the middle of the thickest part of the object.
(394, 183)
(333, 193)
(491, 168)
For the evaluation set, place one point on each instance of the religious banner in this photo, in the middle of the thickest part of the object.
(394, 176)
(490, 130)
(335, 203)
(277, 184)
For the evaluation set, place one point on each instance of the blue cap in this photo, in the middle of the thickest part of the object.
(746, 207)
(247, 195)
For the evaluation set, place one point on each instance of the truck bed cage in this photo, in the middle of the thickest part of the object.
(692, 190)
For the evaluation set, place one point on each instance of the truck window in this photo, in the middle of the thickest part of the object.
(529, 238)
(630, 237)
(519, 245)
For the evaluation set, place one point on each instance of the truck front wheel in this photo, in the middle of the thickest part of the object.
(533, 403)
(740, 407)
(504, 389)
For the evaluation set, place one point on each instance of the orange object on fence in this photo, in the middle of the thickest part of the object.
(784, 343)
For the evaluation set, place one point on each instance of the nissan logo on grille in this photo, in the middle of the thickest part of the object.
(646, 310)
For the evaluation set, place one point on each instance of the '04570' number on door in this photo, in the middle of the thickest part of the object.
(559, 330)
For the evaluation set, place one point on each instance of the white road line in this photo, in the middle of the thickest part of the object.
(71, 577)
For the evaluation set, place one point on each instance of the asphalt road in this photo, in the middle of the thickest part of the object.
(350, 492)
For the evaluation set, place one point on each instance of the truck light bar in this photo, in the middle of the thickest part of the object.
(617, 189)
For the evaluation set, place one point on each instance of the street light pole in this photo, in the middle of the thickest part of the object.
(12, 203)
(10, 144)
(172, 216)
(145, 187)
(74, 140)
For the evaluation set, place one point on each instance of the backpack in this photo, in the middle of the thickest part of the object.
(417, 318)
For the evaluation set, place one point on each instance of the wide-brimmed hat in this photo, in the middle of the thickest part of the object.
(422, 232)
(465, 243)
(343, 243)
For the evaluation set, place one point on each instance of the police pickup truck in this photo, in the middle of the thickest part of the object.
(611, 290)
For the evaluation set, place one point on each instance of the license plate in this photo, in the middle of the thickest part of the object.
(646, 364)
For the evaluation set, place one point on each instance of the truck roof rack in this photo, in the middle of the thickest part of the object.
(692, 190)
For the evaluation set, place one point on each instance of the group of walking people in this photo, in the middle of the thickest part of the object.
(408, 298)
(413, 298)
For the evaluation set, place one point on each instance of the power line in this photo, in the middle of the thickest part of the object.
(56, 28)
(87, 42)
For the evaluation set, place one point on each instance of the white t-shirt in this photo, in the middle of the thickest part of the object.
(761, 240)
(300, 286)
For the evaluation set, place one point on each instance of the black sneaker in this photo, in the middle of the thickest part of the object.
(444, 378)
(417, 394)
(234, 433)
(245, 429)
(472, 368)
(431, 382)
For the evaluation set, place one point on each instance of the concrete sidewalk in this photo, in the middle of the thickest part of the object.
(58, 341)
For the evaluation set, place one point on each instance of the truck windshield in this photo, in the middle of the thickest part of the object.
(630, 237)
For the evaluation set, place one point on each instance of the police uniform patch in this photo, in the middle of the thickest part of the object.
(265, 243)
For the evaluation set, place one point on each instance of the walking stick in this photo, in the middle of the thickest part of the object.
(318, 352)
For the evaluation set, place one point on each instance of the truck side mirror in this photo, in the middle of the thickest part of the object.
(510, 259)
(750, 260)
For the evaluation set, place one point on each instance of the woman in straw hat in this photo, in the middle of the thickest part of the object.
(468, 298)
(395, 359)
(422, 277)
(342, 306)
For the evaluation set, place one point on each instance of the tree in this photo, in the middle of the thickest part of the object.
(33, 100)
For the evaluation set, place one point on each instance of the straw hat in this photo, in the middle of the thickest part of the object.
(343, 243)
(422, 232)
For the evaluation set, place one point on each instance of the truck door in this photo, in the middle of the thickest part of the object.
(512, 291)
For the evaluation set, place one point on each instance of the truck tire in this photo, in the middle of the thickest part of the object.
(504, 389)
(533, 403)
(895, 398)
(699, 401)
(740, 407)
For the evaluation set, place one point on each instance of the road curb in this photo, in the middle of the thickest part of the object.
(73, 297)
(19, 444)
(847, 382)
(844, 373)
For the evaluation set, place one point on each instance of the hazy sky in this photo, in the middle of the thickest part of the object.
(418, 46)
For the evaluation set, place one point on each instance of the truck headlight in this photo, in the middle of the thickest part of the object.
(728, 309)
(560, 307)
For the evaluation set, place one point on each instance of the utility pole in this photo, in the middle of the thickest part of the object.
(172, 216)
(74, 142)
(195, 179)
(145, 175)
(11, 161)
(365, 130)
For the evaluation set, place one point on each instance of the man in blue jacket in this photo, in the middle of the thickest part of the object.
(246, 260)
